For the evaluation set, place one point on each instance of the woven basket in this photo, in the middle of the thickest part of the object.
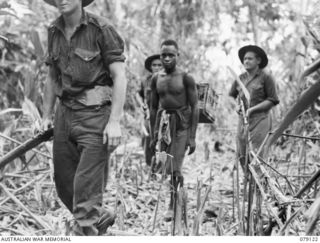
(207, 101)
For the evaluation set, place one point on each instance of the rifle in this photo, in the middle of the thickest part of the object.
(26, 146)
(248, 148)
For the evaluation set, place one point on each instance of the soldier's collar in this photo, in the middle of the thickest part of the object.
(59, 23)
(258, 72)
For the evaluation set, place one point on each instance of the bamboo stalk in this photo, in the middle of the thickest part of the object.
(178, 214)
(298, 136)
(259, 212)
(227, 231)
(199, 214)
(185, 212)
(315, 189)
(303, 102)
(312, 216)
(121, 233)
(198, 191)
(233, 197)
(173, 228)
(289, 220)
(301, 156)
(308, 184)
(273, 212)
(288, 217)
(12, 230)
(158, 199)
(156, 210)
(280, 174)
(250, 201)
(238, 197)
(246, 169)
(21, 205)
(262, 172)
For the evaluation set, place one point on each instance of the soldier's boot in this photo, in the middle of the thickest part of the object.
(106, 220)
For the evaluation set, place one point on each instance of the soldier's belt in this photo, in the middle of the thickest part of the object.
(99, 95)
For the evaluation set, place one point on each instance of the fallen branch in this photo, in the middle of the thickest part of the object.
(198, 217)
(20, 204)
(308, 185)
(293, 216)
(312, 216)
(264, 196)
(39, 178)
(277, 172)
(304, 101)
(12, 230)
(121, 233)
(24, 147)
(261, 172)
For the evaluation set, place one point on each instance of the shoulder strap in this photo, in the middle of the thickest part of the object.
(184, 75)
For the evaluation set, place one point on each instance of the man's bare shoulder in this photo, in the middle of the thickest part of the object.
(188, 79)
(180, 71)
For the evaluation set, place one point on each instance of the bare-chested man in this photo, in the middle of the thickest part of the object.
(174, 125)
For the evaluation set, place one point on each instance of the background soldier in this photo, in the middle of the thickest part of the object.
(152, 64)
(261, 88)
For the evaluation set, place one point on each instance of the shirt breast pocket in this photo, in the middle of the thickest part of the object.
(256, 90)
(85, 66)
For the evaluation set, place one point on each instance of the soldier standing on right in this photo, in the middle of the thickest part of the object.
(262, 90)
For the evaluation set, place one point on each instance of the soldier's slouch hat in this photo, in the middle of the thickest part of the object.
(84, 2)
(149, 60)
(256, 49)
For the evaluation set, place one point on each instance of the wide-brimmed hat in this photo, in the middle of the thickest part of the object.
(84, 2)
(149, 60)
(256, 49)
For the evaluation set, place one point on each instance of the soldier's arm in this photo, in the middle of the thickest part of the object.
(192, 96)
(112, 49)
(49, 98)
(112, 131)
(154, 106)
(233, 92)
(140, 95)
(271, 97)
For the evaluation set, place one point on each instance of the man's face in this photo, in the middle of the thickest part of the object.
(68, 6)
(156, 65)
(251, 61)
(169, 55)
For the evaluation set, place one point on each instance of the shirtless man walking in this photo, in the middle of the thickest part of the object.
(175, 124)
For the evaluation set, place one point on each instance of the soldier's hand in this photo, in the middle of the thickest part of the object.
(249, 112)
(46, 124)
(152, 144)
(192, 146)
(112, 133)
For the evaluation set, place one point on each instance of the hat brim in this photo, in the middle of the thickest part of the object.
(256, 49)
(149, 60)
(84, 2)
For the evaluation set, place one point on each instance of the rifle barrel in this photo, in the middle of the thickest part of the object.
(24, 147)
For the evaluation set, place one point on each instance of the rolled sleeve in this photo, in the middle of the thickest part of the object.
(112, 46)
(270, 90)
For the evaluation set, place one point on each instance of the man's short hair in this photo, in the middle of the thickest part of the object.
(170, 43)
